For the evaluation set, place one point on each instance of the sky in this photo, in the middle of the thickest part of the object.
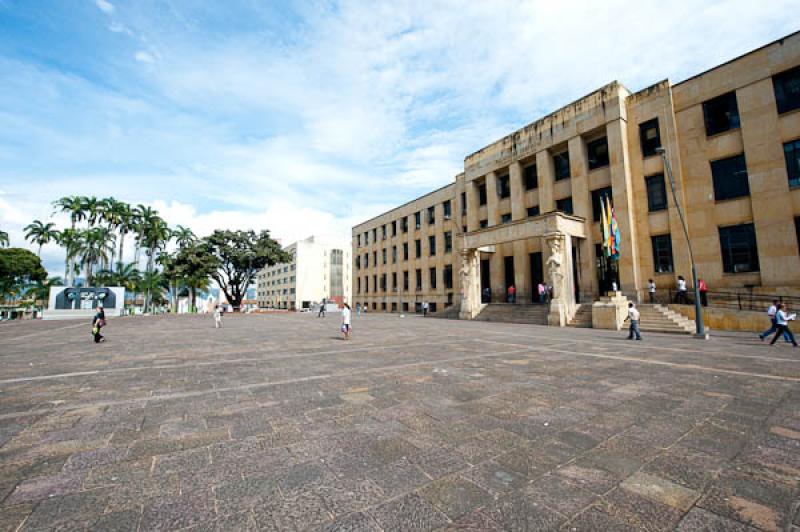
(310, 117)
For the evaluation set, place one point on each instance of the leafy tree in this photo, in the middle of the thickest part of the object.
(192, 266)
(39, 291)
(95, 246)
(3, 239)
(240, 255)
(41, 233)
(19, 268)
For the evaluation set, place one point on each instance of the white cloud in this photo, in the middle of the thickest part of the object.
(105, 6)
(144, 57)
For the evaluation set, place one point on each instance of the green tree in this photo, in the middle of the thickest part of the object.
(3, 239)
(39, 291)
(155, 236)
(96, 245)
(18, 269)
(74, 206)
(41, 233)
(192, 266)
(183, 236)
(70, 239)
(241, 254)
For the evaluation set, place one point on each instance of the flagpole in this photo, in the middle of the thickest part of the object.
(700, 331)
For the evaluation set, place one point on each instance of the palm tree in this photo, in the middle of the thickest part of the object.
(142, 215)
(119, 217)
(150, 284)
(183, 236)
(73, 205)
(155, 236)
(95, 247)
(93, 209)
(40, 290)
(70, 240)
(41, 233)
(3, 239)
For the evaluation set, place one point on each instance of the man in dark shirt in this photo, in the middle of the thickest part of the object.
(98, 322)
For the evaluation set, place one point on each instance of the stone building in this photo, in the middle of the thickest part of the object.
(319, 270)
(527, 207)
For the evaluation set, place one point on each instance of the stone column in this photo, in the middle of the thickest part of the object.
(492, 200)
(470, 284)
(518, 211)
(546, 172)
(473, 219)
(522, 272)
(556, 273)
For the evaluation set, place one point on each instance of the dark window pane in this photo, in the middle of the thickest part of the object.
(730, 178)
(597, 196)
(432, 275)
(417, 220)
(533, 211)
(463, 203)
(505, 218)
(531, 177)
(448, 276)
(649, 137)
(564, 205)
(405, 281)
(482, 194)
(405, 250)
(503, 187)
(448, 242)
(484, 224)
(404, 224)
(561, 165)
(787, 90)
(797, 230)
(656, 193)
(432, 245)
(598, 153)
(418, 248)
(418, 279)
(446, 208)
(662, 253)
(431, 215)
(791, 150)
(721, 114)
(739, 249)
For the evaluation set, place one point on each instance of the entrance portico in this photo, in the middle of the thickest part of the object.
(557, 232)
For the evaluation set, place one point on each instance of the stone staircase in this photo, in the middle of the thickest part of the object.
(658, 318)
(582, 317)
(511, 313)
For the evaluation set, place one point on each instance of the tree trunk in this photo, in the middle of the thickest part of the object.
(39, 253)
(193, 293)
(121, 242)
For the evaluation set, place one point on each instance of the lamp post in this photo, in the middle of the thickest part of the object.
(700, 331)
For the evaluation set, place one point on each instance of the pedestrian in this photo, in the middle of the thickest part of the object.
(217, 317)
(633, 316)
(782, 321)
(98, 322)
(542, 293)
(358, 309)
(771, 311)
(614, 286)
(651, 290)
(486, 296)
(321, 313)
(346, 321)
(703, 288)
(424, 309)
(680, 295)
(512, 294)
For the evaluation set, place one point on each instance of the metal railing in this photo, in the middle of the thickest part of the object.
(729, 300)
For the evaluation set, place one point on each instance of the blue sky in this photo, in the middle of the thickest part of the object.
(308, 117)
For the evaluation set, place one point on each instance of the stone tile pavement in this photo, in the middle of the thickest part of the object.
(275, 423)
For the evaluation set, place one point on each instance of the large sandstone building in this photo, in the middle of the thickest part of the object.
(526, 207)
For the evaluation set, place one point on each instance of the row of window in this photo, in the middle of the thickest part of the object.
(283, 280)
(390, 230)
(284, 292)
(737, 246)
(405, 305)
(448, 247)
(447, 279)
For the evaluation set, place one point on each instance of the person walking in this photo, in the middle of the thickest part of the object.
(98, 322)
(614, 287)
(651, 290)
(703, 288)
(633, 317)
(217, 317)
(782, 322)
(512, 294)
(771, 311)
(321, 313)
(542, 293)
(358, 309)
(680, 295)
(424, 309)
(346, 322)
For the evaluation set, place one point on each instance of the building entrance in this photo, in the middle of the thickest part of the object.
(607, 270)
(508, 267)
(537, 274)
(486, 283)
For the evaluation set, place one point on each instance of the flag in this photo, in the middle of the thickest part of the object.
(604, 226)
(613, 229)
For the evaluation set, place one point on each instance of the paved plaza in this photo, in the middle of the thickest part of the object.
(275, 423)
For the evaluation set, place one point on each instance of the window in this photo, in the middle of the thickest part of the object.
(482, 194)
(431, 215)
(448, 242)
(730, 178)
(366, 260)
(662, 253)
(394, 254)
(394, 281)
(375, 257)
(531, 177)
(383, 232)
(374, 283)
(366, 238)
(533, 211)
(484, 224)
(432, 278)
(505, 218)
(383, 255)
(739, 251)
(418, 278)
(404, 224)
(721, 114)
(405, 307)
(463, 203)
(447, 208)
(597, 196)
(358, 262)
(418, 248)
(405, 250)
(503, 184)
(394, 307)
(598, 153)
(447, 276)
(564, 205)
(394, 228)
(791, 151)
(374, 234)
(417, 220)
(383, 305)
(383, 283)
(432, 245)
(797, 230)
(656, 192)
(358, 241)
(649, 137)
(561, 165)
(358, 291)
(405, 281)
(787, 90)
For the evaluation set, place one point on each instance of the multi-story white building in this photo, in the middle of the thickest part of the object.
(319, 269)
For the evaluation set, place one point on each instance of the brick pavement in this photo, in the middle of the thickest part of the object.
(275, 423)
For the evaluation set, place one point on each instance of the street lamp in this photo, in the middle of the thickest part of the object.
(700, 332)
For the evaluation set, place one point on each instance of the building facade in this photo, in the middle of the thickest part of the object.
(319, 270)
(526, 209)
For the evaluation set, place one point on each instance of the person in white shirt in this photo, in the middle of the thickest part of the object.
(217, 317)
(346, 321)
(633, 317)
(771, 311)
(680, 296)
(782, 322)
(614, 286)
(651, 289)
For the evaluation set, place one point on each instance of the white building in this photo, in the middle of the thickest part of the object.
(319, 269)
